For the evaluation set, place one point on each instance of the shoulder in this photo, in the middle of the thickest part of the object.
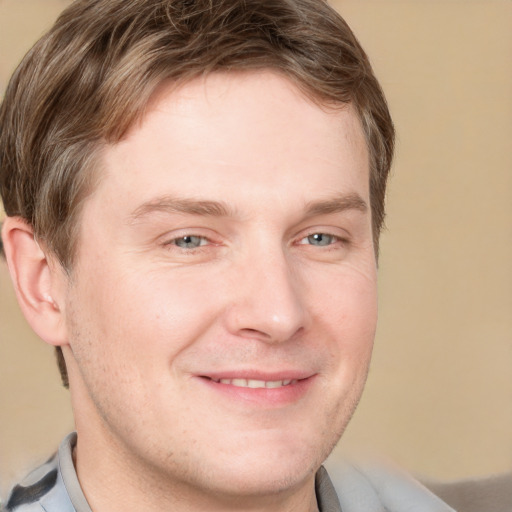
(27, 495)
(45, 489)
(474, 495)
(363, 487)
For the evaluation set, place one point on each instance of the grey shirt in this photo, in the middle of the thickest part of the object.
(54, 487)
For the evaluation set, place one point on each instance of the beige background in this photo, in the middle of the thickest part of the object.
(439, 396)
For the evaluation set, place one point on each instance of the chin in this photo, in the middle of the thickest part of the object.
(268, 469)
(262, 480)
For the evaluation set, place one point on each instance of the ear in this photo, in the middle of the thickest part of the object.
(39, 281)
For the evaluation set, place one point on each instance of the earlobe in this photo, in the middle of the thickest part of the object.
(38, 283)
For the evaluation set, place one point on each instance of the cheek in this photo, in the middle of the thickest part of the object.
(128, 331)
(347, 303)
(347, 312)
(137, 314)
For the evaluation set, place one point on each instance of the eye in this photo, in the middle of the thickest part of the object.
(189, 241)
(319, 239)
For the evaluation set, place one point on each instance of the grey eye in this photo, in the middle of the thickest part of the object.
(190, 241)
(321, 239)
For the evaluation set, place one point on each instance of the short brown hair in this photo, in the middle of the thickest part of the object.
(90, 77)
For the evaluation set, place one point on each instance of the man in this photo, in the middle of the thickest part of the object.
(194, 194)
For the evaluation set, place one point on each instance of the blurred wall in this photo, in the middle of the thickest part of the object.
(439, 395)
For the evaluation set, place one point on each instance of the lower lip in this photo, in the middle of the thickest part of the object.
(265, 397)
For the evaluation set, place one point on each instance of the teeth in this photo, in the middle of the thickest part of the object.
(253, 383)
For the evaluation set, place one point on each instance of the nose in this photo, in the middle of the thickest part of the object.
(267, 299)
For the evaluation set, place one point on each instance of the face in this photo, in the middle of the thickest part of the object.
(222, 308)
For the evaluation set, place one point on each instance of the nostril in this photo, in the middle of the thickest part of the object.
(254, 334)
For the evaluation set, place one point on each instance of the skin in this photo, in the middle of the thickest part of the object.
(276, 281)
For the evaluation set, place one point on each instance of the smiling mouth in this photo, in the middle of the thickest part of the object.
(254, 384)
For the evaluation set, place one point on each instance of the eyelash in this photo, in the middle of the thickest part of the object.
(334, 239)
(204, 241)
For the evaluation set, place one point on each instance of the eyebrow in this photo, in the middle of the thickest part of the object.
(337, 204)
(169, 204)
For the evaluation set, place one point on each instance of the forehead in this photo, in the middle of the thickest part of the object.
(253, 133)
